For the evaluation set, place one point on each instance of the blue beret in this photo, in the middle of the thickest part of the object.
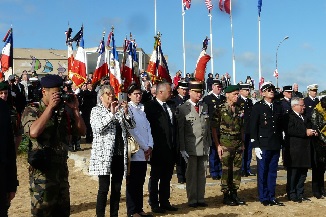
(231, 88)
(50, 81)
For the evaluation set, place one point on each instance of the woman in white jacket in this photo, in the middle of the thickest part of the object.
(110, 121)
(138, 166)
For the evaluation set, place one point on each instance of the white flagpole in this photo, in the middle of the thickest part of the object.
(259, 55)
(155, 17)
(233, 56)
(183, 40)
(211, 38)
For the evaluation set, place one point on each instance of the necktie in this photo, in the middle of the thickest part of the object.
(197, 108)
(271, 106)
(165, 107)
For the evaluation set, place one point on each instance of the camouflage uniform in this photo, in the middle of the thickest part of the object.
(48, 171)
(230, 125)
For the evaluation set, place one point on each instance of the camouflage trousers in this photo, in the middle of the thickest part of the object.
(231, 168)
(50, 191)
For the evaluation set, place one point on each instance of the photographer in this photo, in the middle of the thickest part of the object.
(48, 127)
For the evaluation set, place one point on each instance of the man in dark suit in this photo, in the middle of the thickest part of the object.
(266, 137)
(213, 100)
(298, 151)
(296, 92)
(245, 105)
(161, 117)
(8, 168)
(311, 100)
(179, 99)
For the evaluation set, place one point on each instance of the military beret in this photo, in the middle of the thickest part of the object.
(196, 86)
(217, 82)
(266, 85)
(288, 88)
(244, 87)
(50, 81)
(231, 88)
(183, 84)
(11, 77)
(3, 86)
(312, 87)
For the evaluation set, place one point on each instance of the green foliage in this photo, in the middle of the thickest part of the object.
(23, 146)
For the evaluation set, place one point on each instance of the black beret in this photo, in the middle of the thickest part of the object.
(3, 86)
(287, 88)
(231, 88)
(50, 81)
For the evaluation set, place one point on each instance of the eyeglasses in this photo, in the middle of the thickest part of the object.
(270, 90)
(108, 93)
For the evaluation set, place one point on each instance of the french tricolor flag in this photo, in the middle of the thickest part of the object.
(78, 74)
(7, 52)
(101, 66)
(128, 67)
(115, 74)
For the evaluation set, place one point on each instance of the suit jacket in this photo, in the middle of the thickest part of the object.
(286, 106)
(310, 105)
(266, 126)
(213, 102)
(298, 149)
(194, 129)
(163, 132)
(246, 106)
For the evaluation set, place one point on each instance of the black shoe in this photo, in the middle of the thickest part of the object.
(216, 177)
(304, 199)
(250, 174)
(296, 200)
(276, 203)
(169, 207)
(266, 203)
(193, 205)
(202, 204)
(318, 196)
(227, 200)
(143, 214)
(236, 199)
(157, 209)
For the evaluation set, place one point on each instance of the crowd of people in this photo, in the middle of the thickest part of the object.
(171, 125)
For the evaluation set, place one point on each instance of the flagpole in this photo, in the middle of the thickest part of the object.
(232, 42)
(183, 40)
(259, 54)
(211, 38)
(155, 17)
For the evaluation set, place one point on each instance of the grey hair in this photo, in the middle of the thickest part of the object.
(101, 91)
(161, 87)
(295, 101)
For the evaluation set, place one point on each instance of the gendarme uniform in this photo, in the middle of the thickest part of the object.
(47, 157)
(286, 103)
(230, 123)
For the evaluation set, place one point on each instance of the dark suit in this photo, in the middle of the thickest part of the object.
(215, 166)
(8, 168)
(310, 105)
(163, 154)
(286, 106)
(298, 155)
(266, 131)
(147, 96)
(246, 106)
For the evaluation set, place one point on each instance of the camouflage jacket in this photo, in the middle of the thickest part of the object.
(55, 136)
(229, 124)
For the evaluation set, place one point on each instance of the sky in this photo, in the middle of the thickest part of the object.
(301, 58)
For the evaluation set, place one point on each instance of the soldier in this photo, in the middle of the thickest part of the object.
(245, 105)
(227, 120)
(286, 101)
(311, 100)
(213, 100)
(194, 139)
(178, 100)
(266, 137)
(46, 124)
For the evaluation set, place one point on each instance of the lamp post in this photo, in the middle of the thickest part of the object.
(276, 72)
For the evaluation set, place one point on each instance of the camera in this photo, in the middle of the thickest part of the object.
(67, 97)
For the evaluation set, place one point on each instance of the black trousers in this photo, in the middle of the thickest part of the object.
(295, 183)
(181, 168)
(4, 205)
(318, 170)
(135, 184)
(117, 171)
(159, 184)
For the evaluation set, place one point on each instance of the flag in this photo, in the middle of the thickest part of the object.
(276, 73)
(151, 68)
(162, 66)
(200, 70)
(115, 73)
(186, 4)
(78, 68)
(127, 72)
(260, 3)
(7, 52)
(225, 5)
(209, 5)
(70, 50)
(102, 68)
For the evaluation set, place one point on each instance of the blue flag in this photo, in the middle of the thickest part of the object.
(260, 2)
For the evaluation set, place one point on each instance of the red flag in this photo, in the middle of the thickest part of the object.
(276, 73)
(101, 66)
(7, 52)
(186, 4)
(115, 73)
(225, 5)
(162, 68)
(209, 5)
(201, 66)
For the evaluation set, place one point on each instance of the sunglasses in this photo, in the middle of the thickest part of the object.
(270, 90)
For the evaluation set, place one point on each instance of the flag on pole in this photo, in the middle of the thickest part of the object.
(224, 5)
(209, 5)
(276, 73)
(162, 66)
(202, 61)
(102, 68)
(151, 68)
(260, 3)
(7, 52)
(70, 50)
(78, 68)
(186, 4)
(115, 73)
